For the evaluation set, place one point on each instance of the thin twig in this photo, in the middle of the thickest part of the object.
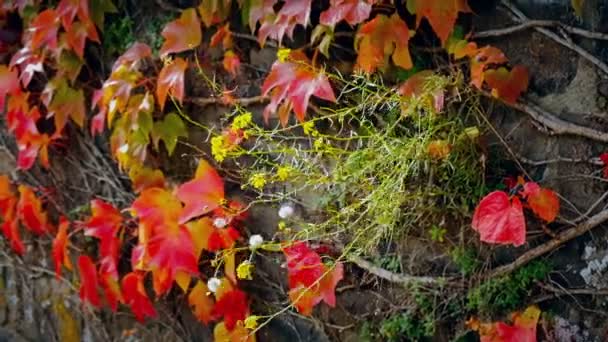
(552, 244)
(519, 16)
(540, 23)
(557, 125)
(394, 277)
(245, 101)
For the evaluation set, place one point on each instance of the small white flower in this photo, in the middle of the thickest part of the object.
(220, 222)
(256, 240)
(213, 284)
(286, 210)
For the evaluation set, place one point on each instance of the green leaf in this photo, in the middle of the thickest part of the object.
(70, 64)
(98, 9)
(169, 130)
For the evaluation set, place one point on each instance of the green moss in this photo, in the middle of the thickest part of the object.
(507, 293)
(465, 259)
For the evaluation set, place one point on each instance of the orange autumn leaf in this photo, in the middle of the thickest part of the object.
(543, 202)
(231, 63)
(8, 214)
(201, 195)
(60, 247)
(522, 330)
(143, 178)
(214, 11)
(182, 34)
(380, 38)
(171, 81)
(158, 211)
(238, 334)
(77, 35)
(201, 302)
(439, 149)
(207, 236)
(441, 14)
(507, 85)
(44, 29)
(30, 212)
(136, 297)
(481, 58)
(88, 281)
(9, 83)
(223, 35)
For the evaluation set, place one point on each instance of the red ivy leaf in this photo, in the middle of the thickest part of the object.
(543, 202)
(171, 253)
(108, 277)
(171, 80)
(88, 281)
(182, 34)
(310, 281)
(232, 305)
(480, 59)
(500, 220)
(522, 330)
(30, 212)
(604, 159)
(136, 297)
(352, 11)
(44, 29)
(201, 195)
(292, 13)
(104, 225)
(201, 302)
(60, 244)
(293, 82)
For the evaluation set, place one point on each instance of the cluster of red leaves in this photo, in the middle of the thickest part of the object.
(486, 64)
(522, 330)
(174, 227)
(310, 280)
(57, 37)
(24, 209)
(499, 218)
(291, 83)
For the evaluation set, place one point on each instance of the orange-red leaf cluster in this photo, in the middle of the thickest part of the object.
(523, 328)
(291, 83)
(499, 217)
(310, 280)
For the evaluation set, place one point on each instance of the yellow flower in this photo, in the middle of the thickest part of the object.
(241, 121)
(283, 54)
(245, 269)
(218, 148)
(282, 225)
(283, 173)
(251, 322)
(258, 180)
(309, 128)
(318, 144)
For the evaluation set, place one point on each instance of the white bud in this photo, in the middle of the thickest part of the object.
(286, 210)
(220, 222)
(213, 284)
(256, 240)
(124, 148)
